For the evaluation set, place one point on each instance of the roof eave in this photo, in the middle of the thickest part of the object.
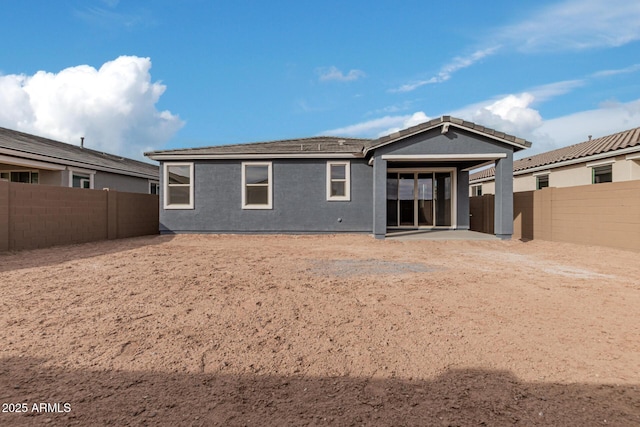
(160, 156)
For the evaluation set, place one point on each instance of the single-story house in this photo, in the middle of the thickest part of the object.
(32, 159)
(412, 179)
(612, 158)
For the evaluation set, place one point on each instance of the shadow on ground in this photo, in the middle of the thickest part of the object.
(458, 397)
(33, 258)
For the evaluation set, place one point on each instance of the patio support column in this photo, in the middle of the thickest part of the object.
(462, 222)
(379, 197)
(503, 218)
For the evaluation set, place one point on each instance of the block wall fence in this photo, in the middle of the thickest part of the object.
(40, 216)
(601, 214)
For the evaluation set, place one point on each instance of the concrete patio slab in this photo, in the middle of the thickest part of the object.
(440, 235)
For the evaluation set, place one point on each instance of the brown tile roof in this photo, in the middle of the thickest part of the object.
(610, 143)
(61, 153)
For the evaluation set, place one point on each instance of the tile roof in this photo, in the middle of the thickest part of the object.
(313, 145)
(514, 140)
(62, 153)
(332, 144)
(606, 144)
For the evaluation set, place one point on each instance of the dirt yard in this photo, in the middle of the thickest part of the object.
(319, 330)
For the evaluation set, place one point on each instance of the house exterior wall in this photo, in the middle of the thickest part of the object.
(634, 169)
(455, 141)
(520, 183)
(58, 178)
(299, 200)
(112, 181)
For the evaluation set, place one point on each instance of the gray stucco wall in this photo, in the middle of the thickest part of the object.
(117, 182)
(299, 200)
(455, 141)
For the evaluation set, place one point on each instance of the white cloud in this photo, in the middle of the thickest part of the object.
(576, 25)
(447, 71)
(608, 73)
(379, 127)
(610, 118)
(334, 74)
(113, 107)
(546, 92)
(515, 115)
(511, 114)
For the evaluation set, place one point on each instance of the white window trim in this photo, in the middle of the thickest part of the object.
(593, 167)
(603, 163)
(165, 188)
(77, 171)
(545, 172)
(540, 175)
(269, 204)
(347, 182)
(151, 181)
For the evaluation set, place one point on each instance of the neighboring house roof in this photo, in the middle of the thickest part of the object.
(606, 146)
(329, 146)
(24, 145)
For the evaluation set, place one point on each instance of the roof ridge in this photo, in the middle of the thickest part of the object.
(260, 143)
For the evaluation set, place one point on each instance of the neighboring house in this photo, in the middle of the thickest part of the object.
(412, 179)
(36, 160)
(612, 158)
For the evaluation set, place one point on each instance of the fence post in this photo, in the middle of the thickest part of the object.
(4, 216)
(543, 214)
(112, 214)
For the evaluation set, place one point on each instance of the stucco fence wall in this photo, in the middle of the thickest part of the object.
(603, 214)
(39, 216)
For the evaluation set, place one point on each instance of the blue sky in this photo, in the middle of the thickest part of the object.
(133, 76)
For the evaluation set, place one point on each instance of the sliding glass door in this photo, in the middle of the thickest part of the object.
(419, 199)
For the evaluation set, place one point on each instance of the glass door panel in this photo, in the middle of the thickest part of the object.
(406, 198)
(425, 199)
(392, 200)
(442, 192)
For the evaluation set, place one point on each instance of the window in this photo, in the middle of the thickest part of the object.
(154, 187)
(338, 181)
(602, 174)
(256, 186)
(81, 181)
(542, 181)
(178, 179)
(27, 177)
(81, 178)
(476, 190)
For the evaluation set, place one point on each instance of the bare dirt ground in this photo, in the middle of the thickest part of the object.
(320, 330)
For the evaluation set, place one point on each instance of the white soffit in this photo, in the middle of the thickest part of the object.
(442, 157)
(16, 161)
